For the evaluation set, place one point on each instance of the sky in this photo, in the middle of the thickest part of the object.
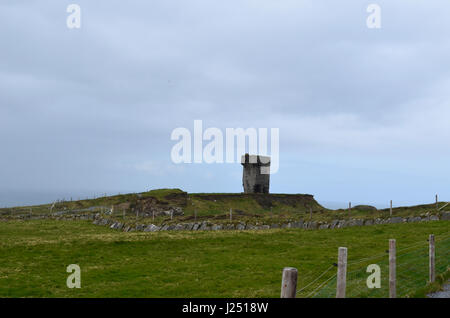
(363, 113)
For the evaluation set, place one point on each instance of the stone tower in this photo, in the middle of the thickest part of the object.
(256, 174)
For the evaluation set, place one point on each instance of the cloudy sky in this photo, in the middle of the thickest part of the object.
(363, 113)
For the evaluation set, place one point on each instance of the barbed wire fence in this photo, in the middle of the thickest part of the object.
(412, 272)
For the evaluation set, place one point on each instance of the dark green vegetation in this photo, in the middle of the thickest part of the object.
(34, 256)
(256, 208)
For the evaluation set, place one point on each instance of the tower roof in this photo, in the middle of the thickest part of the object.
(255, 159)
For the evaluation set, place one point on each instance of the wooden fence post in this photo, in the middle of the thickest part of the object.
(153, 215)
(437, 202)
(390, 211)
(432, 259)
(289, 282)
(392, 269)
(195, 215)
(341, 273)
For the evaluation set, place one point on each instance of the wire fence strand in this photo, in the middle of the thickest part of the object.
(412, 272)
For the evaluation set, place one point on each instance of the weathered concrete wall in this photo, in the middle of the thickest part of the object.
(256, 173)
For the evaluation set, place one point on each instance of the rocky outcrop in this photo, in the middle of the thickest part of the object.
(445, 216)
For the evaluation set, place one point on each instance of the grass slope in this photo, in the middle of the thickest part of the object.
(254, 208)
(34, 256)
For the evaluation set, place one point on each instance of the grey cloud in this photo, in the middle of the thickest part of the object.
(94, 108)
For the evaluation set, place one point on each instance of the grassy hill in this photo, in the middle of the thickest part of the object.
(213, 206)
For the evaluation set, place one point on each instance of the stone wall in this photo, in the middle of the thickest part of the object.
(308, 225)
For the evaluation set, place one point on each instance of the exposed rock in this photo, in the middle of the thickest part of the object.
(358, 222)
(179, 227)
(414, 219)
(240, 226)
(173, 211)
(312, 225)
(396, 220)
(116, 226)
(229, 227)
(203, 226)
(340, 224)
(445, 215)
(217, 227)
(334, 223)
(251, 227)
(297, 225)
(171, 227)
(148, 206)
(188, 226)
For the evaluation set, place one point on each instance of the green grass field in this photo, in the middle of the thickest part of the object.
(34, 256)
